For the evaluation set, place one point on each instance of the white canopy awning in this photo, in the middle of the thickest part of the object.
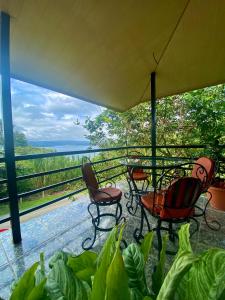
(104, 51)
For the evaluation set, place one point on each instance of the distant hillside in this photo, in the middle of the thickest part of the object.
(57, 143)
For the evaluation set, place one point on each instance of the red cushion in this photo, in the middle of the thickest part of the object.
(108, 194)
(139, 175)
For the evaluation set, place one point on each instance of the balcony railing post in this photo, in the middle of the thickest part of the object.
(8, 126)
(153, 125)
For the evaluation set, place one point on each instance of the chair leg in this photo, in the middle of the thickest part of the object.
(145, 188)
(213, 224)
(118, 212)
(171, 232)
(159, 237)
(197, 225)
(138, 232)
(98, 214)
(131, 204)
(95, 221)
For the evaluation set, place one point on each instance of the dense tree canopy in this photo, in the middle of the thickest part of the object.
(19, 137)
(197, 117)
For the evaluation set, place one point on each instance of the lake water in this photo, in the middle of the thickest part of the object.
(77, 147)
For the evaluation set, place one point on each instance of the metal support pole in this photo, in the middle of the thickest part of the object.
(153, 125)
(8, 126)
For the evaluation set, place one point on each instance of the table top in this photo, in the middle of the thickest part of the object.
(147, 163)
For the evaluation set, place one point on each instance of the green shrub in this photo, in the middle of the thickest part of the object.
(120, 275)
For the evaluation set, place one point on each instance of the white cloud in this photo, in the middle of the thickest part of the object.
(46, 115)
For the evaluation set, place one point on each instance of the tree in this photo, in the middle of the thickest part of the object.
(196, 117)
(19, 137)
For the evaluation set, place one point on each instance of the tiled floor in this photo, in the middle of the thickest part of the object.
(65, 228)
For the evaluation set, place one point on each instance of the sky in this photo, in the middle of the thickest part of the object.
(43, 115)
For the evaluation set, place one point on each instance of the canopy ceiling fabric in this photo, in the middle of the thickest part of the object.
(104, 51)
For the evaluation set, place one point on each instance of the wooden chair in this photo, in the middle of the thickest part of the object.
(137, 175)
(100, 197)
(172, 201)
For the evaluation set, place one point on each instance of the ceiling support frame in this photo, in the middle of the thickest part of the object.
(153, 125)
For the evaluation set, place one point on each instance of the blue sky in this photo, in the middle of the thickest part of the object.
(42, 114)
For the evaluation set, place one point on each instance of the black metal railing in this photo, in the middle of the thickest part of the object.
(107, 163)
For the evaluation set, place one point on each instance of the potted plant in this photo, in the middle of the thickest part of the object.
(217, 188)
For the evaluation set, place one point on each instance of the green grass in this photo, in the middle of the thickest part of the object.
(26, 204)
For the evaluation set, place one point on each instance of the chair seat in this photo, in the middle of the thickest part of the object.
(156, 207)
(108, 194)
(139, 176)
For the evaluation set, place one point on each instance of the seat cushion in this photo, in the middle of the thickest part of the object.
(108, 194)
(139, 176)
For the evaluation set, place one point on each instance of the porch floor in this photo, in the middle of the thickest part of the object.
(66, 227)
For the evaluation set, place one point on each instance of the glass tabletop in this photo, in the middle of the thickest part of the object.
(148, 163)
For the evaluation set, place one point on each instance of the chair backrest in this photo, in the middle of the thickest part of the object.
(183, 193)
(89, 178)
(136, 155)
(198, 172)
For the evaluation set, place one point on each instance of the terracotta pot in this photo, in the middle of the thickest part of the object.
(218, 197)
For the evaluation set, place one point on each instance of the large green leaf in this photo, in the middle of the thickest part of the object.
(62, 284)
(117, 279)
(38, 292)
(40, 273)
(147, 244)
(134, 264)
(184, 239)
(103, 262)
(180, 266)
(108, 249)
(205, 280)
(84, 265)
(25, 284)
(159, 274)
(182, 263)
(58, 255)
(135, 294)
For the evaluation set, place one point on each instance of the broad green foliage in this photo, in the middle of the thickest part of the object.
(134, 264)
(103, 263)
(192, 276)
(84, 265)
(116, 277)
(25, 287)
(146, 245)
(114, 274)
